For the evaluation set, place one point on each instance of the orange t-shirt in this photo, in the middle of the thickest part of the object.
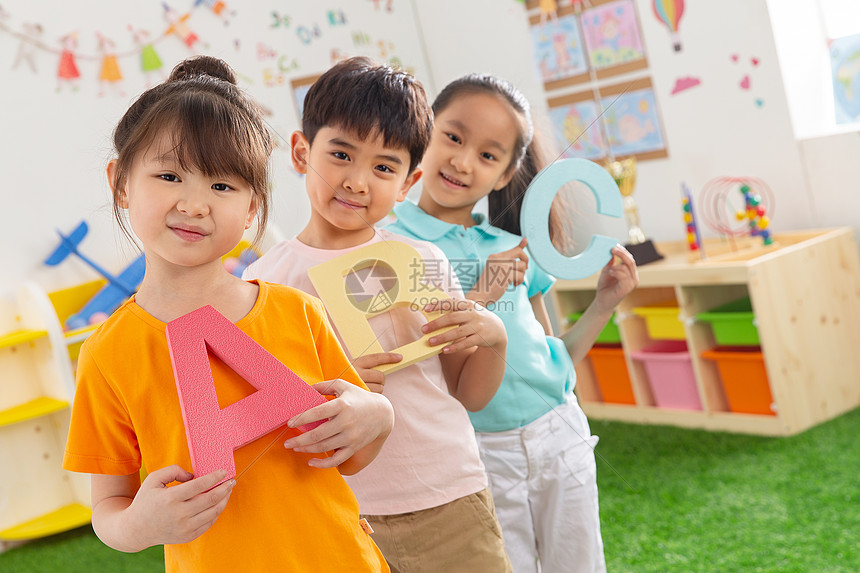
(283, 515)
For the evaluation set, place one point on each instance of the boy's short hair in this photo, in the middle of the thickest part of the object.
(363, 97)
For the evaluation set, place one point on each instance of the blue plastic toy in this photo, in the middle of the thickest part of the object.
(112, 294)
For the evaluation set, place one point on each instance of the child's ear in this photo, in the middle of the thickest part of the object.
(505, 179)
(252, 211)
(411, 180)
(299, 150)
(120, 196)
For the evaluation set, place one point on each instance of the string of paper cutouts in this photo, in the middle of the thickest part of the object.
(31, 42)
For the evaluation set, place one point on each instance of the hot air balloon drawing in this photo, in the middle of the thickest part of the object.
(669, 12)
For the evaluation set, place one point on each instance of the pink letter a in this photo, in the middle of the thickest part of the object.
(214, 433)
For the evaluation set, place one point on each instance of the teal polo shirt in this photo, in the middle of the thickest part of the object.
(540, 373)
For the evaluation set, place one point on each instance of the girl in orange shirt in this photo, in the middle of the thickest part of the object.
(192, 173)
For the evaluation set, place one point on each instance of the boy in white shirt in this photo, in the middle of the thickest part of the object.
(365, 128)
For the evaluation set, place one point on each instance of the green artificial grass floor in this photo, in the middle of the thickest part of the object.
(673, 500)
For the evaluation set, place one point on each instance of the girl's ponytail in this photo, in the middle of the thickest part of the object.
(506, 203)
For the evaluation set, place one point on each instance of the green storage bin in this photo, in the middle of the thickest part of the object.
(733, 323)
(609, 334)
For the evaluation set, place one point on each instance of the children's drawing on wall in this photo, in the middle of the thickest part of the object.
(576, 128)
(27, 48)
(110, 74)
(632, 121)
(612, 35)
(669, 13)
(67, 72)
(558, 49)
(845, 67)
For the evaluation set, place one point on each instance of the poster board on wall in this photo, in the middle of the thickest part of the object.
(618, 120)
(584, 47)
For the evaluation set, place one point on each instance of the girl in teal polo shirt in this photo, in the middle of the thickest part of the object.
(534, 438)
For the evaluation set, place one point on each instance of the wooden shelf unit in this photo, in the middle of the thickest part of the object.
(805, 293)
(37, 497)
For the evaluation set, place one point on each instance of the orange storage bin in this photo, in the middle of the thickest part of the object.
(744, 378)
(613, 379)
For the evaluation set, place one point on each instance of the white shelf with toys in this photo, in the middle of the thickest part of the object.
(37, 361)
(759, 340)
(37, 497)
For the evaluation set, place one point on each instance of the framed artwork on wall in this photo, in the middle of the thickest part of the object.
(612, 37)
(577, 131)
(589, 45)
(559, 50)
(631, 120)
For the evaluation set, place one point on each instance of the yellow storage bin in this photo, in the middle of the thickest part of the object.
(663, 320)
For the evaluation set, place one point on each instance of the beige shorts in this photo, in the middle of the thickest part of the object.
(461, 536)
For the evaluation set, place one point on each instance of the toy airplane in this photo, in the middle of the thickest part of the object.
(112, 294)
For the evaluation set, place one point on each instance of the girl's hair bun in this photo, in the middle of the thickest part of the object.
(199, 66)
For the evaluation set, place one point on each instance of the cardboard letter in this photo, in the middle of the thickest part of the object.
(535, 213)
(214, 433)
(351, 321)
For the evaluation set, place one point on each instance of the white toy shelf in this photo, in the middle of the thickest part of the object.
(37, 497)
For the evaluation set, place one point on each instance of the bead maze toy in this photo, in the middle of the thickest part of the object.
(107, 299)
(750, 216)
(755, 214)
(694, 239)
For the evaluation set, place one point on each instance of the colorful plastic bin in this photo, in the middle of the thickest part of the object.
(744, 378)
(662, 320)
(609, 334)
(733, 323)
(670, 374)
(610, 369)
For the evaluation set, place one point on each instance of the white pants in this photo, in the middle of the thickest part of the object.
(544, 482)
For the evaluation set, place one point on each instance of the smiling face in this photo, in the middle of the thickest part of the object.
(470, 155)
(183, 217)
(352, 183)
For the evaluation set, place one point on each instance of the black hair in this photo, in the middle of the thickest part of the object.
(528, 159)
(363, 97)
(212, 124)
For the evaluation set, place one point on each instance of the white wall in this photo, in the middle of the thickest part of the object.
(717, 129)
(799, 35)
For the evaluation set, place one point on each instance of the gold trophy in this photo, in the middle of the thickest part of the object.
(624, 174)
